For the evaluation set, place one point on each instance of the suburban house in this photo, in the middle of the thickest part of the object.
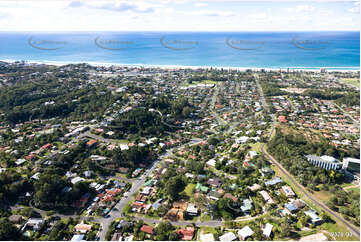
(229, 236)
(82, 227)
(315, 219)
(288, 191)
(247, 206)
(274, 181)
(214, 182)
(244, 233)
(267, 230)
(186, 234)
(192, 209)
(147, 229)
(267, 197)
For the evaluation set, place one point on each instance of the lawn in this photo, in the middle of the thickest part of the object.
(351, 81)
(205, 217)
(189, 189)
(122, 141)
(200, 82)
(355, 189)
(206, 230)
(342, 234)
(323, 195)
(257, 146)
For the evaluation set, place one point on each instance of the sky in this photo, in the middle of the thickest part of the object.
(178, 15)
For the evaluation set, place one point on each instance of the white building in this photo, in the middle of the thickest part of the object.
(325, 162)
(227, 237)
(244, 233)
(267, 230)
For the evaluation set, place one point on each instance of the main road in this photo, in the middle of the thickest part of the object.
(352, 228)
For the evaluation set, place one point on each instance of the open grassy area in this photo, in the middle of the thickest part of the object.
(206, 230)
(355, 189)
(200, 82)
(257, 147)
(188, 190)
(323, 195)
(343, 185)
(341, 233)
(351, 81)
(205, 217)
(122, 141)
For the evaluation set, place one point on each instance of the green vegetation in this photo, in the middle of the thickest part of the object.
(174, 186)
(346, 203)
(290, 149)
(8, 231)
(352, 81)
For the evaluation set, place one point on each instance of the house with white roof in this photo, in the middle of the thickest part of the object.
(211, 163)
(267, 230)
(244, 233)
(229, 236)
(207, 237)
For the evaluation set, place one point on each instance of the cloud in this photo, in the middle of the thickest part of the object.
(118, 6)
(301, 8)
(75, 4)
(201, 4)
(355, 8)
(211, 13)
(4, 15)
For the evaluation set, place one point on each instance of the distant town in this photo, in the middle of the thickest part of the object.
(123, 153)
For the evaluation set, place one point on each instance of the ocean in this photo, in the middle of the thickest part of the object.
(332, 50)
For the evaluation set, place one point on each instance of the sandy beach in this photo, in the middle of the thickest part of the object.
(308, 69)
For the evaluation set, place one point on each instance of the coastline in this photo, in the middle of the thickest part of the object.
(106, 64)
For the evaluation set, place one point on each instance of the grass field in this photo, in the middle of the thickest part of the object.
(355, 189)
(257, 147)
(351, 81)
(323, 195)
(201, 82)
(188, 190)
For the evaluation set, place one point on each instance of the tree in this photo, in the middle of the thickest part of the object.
(163, 230)
(285, 230)
(7, 230)
(173, 236)
(174, 186)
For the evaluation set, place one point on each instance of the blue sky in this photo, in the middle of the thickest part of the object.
(178, 15)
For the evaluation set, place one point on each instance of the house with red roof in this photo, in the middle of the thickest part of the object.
(91, 142)
(186, 234)
(47, 146)
(147, 229)
(282, 119)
